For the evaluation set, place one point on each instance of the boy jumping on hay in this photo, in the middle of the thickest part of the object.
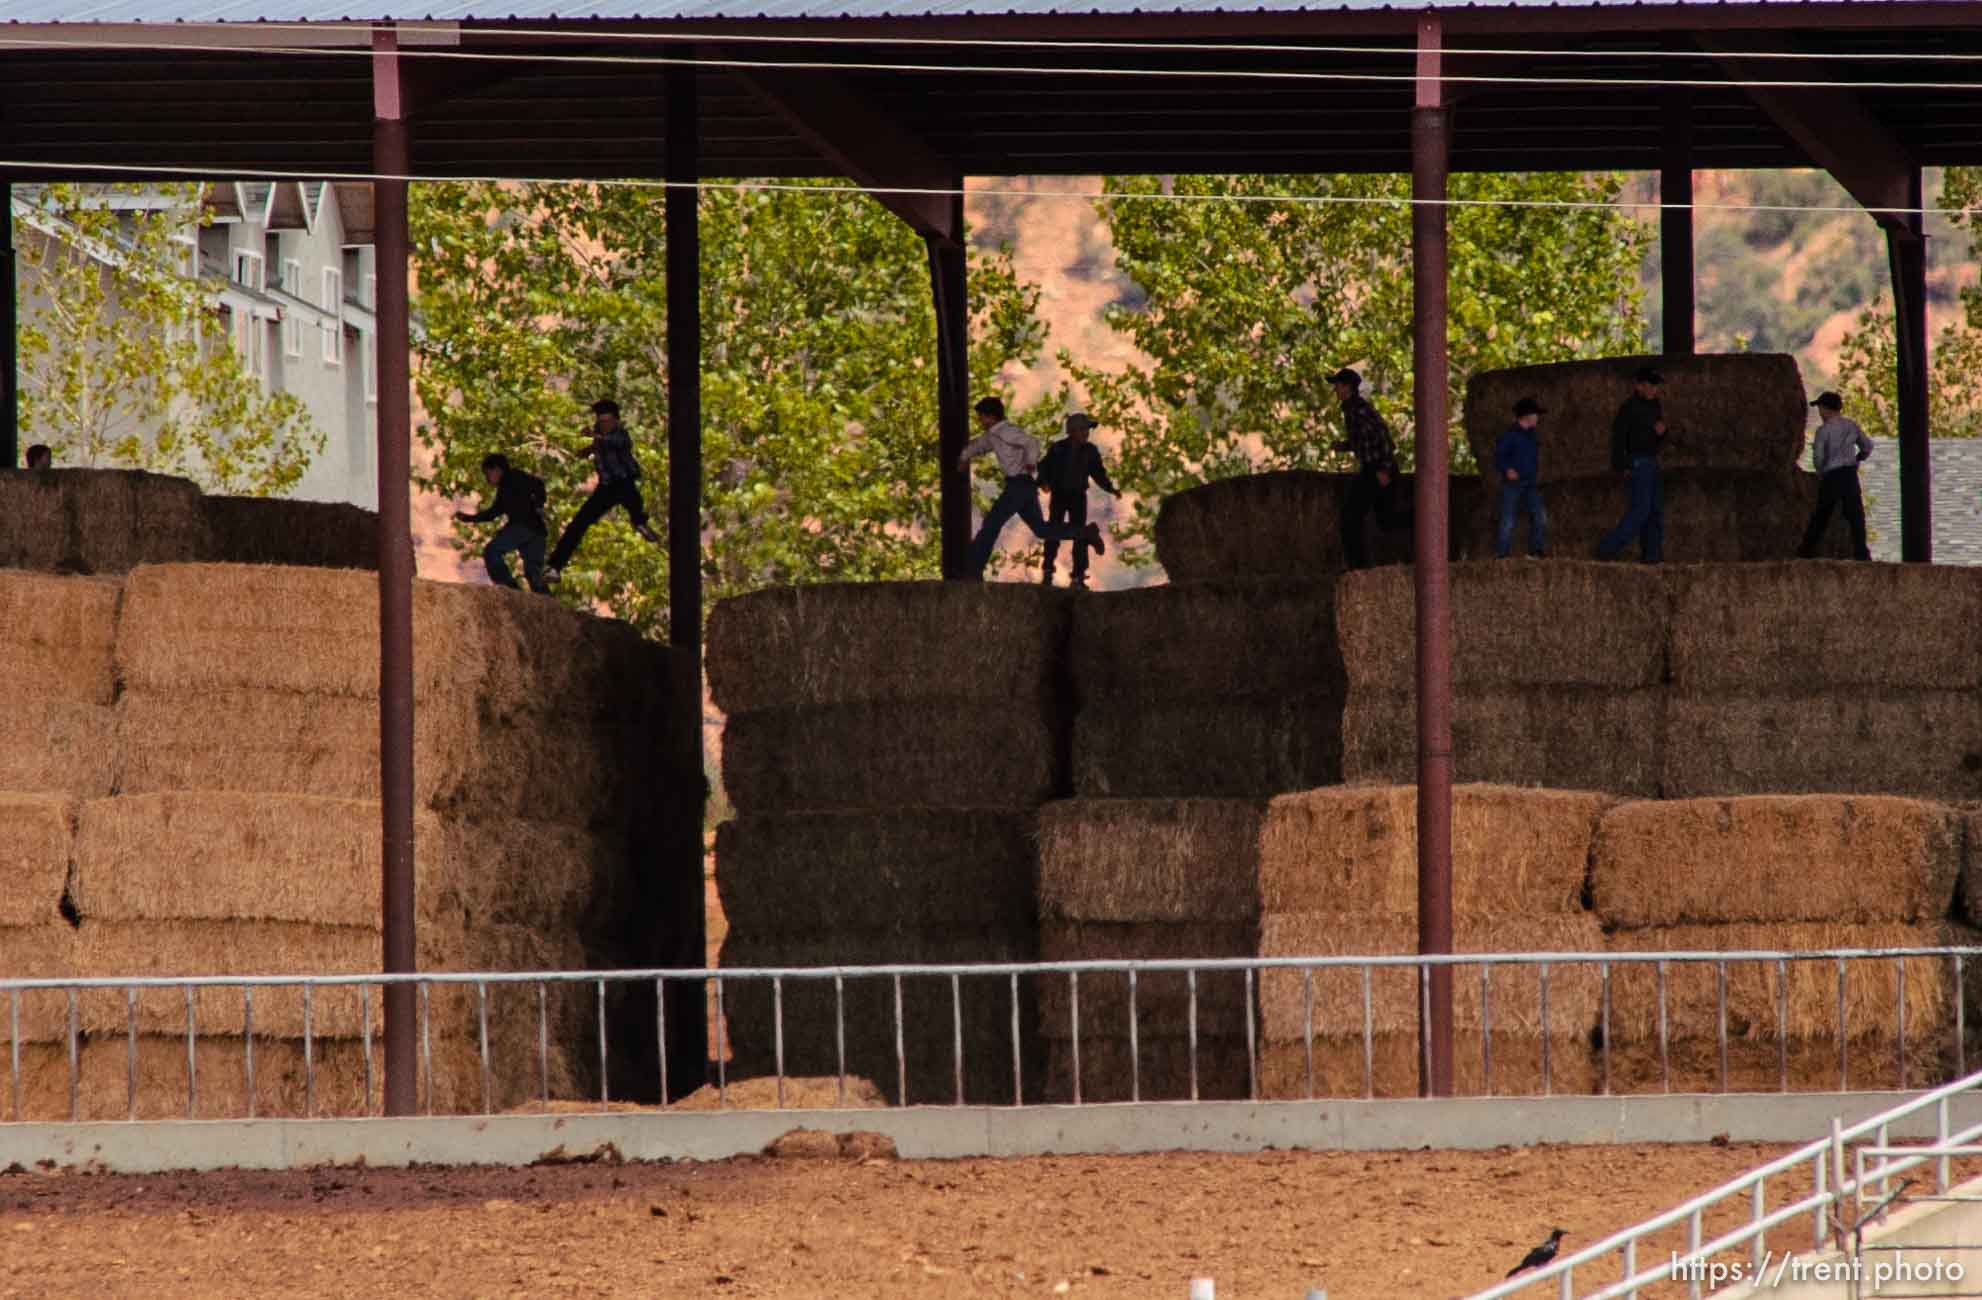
(1517, 459)
(1635, 438)
(1366, 437)
(1841, 447)
(618, 485)
(1065, 472)
(1017, 453)
(519, 503)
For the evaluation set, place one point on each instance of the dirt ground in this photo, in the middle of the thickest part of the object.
(1266, 1227)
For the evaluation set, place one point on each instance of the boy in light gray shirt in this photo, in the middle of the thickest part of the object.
(1840, 447)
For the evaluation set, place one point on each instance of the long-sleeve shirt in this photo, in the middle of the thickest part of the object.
(1366, 436)
(1840, 444)
(1517, 450)
(1016, 451)
(519, 499)
(1067, 468)
(1634, 433)
(612, 456)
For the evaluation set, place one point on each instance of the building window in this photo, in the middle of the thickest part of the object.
(248, 270)
(292, 277)
(333, 325)
(368, 348)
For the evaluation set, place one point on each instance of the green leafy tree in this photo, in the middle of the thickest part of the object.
(1244, 307)
(818, 372)
(1868, 358)
(122, 362)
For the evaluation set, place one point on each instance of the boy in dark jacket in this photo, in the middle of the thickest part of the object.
(1517, 459)
(1636, 436)
(618, 486)
(519, 503)
(1064, 473)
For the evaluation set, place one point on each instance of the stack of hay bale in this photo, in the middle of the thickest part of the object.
(1558, 675)
(1840, 677)
(1281, 524)
(885, 748)
(227, 823)
(1321, 873)
(1771, 872)
(1207, 689)
(99, 521)
(1735, 431)
(313, 534)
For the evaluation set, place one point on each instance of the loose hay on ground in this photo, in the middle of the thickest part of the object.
(876, 756)
(1129, 746)
(907, 869)
(1589, 738)
(1919, 743)
(1747, 629)
(886, 642)
(1564, 623)
(37, 844)
(271, 530)
(1766, 858)
(56, 636)
(1743, 410)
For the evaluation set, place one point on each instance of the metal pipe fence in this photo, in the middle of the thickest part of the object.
(986, 1033)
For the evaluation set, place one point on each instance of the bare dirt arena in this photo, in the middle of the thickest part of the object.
(1266, 1227)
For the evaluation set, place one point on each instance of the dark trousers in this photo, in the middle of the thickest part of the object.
(1021, 499)
(1366, 496)
(1838, 487)
(1067, 510)
(620, 492)
(1514, 498)
(527, 542)
(1644, 519)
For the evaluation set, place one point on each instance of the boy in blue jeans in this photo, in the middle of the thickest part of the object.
(1517, 459)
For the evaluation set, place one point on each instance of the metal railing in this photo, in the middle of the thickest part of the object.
(943, 1052)
(1697, 1265)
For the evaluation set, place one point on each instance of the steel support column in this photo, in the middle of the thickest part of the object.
(1906, 250)
(10, 335)
(1676, 274)
(680, 883)
(392, 157)
(951, 292)
(1431, 144)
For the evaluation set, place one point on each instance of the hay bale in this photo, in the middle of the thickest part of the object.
(45, 950)
(1712, 516)
(886, 642)
(1207, 639)
(1580, 737)
(56, 636)
(1920, 743)
(1248, 746)
(99, 521)
(310, 534)
(1161, 1066)
(1968, 895)
(249, 857)
(1283, 524)
(905, 870)
(37, 835)
(57, 746)
(219, 1088)
(928, 1029)
(1162, 1000)
(1851, 859)
(1513, 625)
(1514, 992)
(1871, 987)
(1144, 860)
(1743, 410)
(931, 753)
(1692, 1065)
(1751, 629)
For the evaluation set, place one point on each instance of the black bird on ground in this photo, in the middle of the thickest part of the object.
(1541, 1254)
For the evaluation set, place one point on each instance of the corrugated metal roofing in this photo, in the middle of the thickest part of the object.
(576, 11)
